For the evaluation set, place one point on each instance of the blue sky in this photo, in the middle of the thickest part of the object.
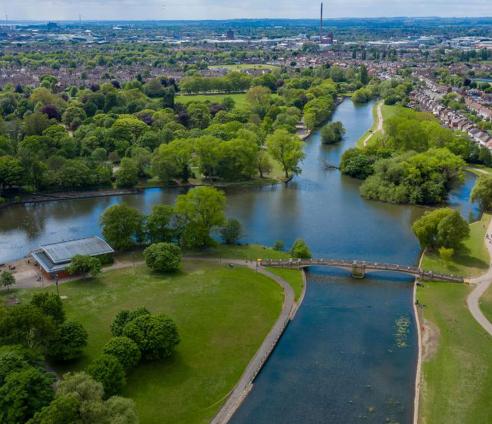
(230, 9)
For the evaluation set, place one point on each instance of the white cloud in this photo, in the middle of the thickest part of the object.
(225, 9)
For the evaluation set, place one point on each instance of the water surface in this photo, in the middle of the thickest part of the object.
(343, 359)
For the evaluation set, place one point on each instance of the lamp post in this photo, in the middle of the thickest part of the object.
(57, 288)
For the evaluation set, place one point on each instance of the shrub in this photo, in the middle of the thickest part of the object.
(446, 253)
(23, 393)
(279, 245)
(69, 342)
(79, 399)
(332, 133)
(155, 335)
(300, 250)
(109, 372)
(123, 318)
(50, 304)
(163, 257)
(231, 232)
(84, 265)
(7, 279)
(125, 350)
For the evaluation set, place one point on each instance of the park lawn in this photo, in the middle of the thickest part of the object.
(250, 252)
(239, 99)
(253, 252)
(457, 380)
(245, 66)
(473, 260)
(223, 315)
(293, 277)
(389, 111)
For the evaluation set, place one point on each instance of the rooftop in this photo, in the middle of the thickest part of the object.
(65, 251)
(57, 256)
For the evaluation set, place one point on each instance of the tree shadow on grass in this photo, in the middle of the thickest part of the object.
(464, 258)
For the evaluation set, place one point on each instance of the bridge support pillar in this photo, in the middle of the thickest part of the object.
(358, 270)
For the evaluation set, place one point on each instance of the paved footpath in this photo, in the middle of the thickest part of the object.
(245, 383)
(481, 283)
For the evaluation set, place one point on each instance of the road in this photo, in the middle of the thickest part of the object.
(481, 283)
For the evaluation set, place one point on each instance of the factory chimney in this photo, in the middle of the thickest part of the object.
(321, 25)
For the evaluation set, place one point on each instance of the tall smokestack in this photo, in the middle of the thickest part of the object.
(321, 25)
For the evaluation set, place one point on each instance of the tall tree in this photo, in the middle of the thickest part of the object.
(121, 226)
(7, 279)
(482, 192)
(23, 393)
(287, 149)
(202, 210)
(159, 224)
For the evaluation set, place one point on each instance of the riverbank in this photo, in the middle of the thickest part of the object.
(68, 195)
(113, 192)
(456, 370)
(457, 375)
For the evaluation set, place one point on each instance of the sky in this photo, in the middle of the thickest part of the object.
(234, 9)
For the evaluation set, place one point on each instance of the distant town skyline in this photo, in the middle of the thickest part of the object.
(227, 9)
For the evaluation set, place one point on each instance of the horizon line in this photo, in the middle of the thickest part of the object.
(14, 20)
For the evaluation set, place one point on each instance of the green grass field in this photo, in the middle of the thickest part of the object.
(239, 99)
(457, 380)
(223, 314)
(293, 277)
(250, 252)
(472, 261)
(245, 66)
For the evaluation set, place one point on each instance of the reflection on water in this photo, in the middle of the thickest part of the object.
(321, 206)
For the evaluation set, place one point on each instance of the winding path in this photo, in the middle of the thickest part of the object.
(482, 283)
(379, 127)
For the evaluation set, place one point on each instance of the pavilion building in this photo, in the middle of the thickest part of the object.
(54, 259)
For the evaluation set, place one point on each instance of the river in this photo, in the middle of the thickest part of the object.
(349, 355)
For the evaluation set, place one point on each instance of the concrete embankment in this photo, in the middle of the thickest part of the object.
(245, 384)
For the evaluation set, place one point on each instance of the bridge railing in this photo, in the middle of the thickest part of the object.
(381, 266)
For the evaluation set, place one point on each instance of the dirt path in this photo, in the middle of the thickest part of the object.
(379, 127)
(481, 283)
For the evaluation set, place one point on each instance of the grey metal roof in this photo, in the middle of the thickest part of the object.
(63, 252)
(46, 263)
